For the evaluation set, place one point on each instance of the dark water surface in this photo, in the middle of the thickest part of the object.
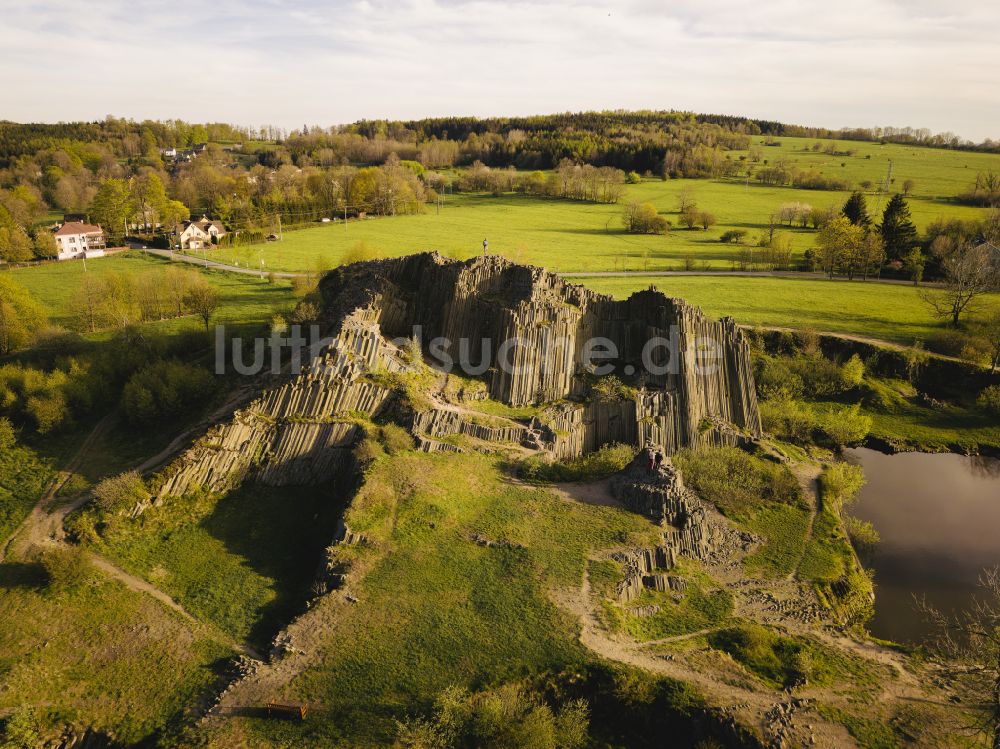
(939, 518)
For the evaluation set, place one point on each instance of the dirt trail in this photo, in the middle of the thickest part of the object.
(712, 674)
(43, 521)
(808, 476)
(44, 526)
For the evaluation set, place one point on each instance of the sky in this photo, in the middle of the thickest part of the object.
(845, 63)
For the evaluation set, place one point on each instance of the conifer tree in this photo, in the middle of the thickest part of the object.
(856, 210)
(898, 232)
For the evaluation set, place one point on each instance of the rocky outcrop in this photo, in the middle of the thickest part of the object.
(549, 324)
(690, 527)
(299, 431)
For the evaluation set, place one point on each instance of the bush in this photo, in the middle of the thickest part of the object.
(989, 399)
(7, 435)
(735, 481)
(840, 483)
(394, 438)
(852, 373)
(505, 716)
(863, 534)
(777, 660)
(66, 566)
(844, 426)
(611, 388)
(960, 345)
(164, 390)
(609, 460)
(788, 419)
(733, 236)
(21, 730)
(120, 493)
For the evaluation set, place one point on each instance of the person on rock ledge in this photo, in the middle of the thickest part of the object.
(658, 459)
(652, 459)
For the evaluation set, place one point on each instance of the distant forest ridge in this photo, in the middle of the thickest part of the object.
(626, 139)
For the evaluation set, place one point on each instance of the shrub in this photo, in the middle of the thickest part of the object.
(509, 715)
(845, 426)
(122, 492)
(733, 236)
(853, 372)
(591, 467)
(807, 341)
(788, 419)
(66, 566)
(840, 483)
(735, 481)
(989, 399)
(7, 435)
(21, 730)
(394, 438)
(610, 389)
(367, 451)
(776, 379)
(960, 345)
(47, 411)
(777, 660)
(166, 389)
(863, 534)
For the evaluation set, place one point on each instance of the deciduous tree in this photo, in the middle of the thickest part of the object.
(969, 273)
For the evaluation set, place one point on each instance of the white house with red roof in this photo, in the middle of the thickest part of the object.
(76, 239)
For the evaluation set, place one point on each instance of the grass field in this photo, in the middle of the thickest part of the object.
(242, 299)
(891, 312)
(242, 562)
(436, 609)
(98, 654)
(564, 235)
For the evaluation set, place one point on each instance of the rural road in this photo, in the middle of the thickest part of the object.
(796, 275)
(213, 265)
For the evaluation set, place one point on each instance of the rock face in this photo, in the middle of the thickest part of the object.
(491, 299)
(299, 432)
(690, 527)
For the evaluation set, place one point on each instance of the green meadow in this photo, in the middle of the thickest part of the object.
(243, 300)
(568, 236)
(891, 312)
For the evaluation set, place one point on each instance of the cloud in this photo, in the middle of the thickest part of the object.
(859, 62)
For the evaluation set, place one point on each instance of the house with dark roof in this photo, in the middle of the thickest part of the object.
(76, 239)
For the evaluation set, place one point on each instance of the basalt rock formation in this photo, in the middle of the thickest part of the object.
(691, 528)
(692, 385)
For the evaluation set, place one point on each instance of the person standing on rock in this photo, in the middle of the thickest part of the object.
(658, 459)
(485, 247)
(652, 460)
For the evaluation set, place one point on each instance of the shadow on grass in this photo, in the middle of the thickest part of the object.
(279, 533)
(26, 575)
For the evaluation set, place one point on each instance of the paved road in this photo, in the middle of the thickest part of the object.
(798, 275)
(213, 265)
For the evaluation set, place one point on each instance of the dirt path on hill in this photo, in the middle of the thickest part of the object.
(44, 526)
(44, 519)
(711, 673)
(808, 477)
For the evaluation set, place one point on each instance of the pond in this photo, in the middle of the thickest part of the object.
(939, 518)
